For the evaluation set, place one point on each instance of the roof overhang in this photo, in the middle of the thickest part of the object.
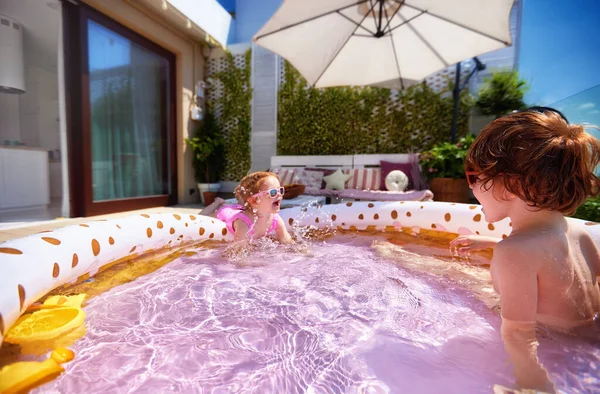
(203, 20)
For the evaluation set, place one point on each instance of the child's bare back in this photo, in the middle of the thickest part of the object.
(565, 263)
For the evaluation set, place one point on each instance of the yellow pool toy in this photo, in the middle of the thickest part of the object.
(59, 321)
(23, 376)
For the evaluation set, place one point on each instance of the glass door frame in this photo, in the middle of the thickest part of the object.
(77, 89)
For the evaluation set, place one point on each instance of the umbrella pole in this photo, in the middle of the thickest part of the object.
(457, 89)
(456, 96)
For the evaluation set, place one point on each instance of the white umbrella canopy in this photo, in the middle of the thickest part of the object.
(383, 42)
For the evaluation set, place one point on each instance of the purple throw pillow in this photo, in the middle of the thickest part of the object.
(325, 171)
(387, 167)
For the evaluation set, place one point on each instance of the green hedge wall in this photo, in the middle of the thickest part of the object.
(359, 120)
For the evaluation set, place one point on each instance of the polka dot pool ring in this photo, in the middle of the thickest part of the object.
(393, 216)
(390, 216)
(34, 265)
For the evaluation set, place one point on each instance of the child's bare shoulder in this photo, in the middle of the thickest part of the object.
(520, 242)
(522, 251)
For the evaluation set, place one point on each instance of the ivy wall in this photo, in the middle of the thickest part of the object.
(358, 120)
(332, 121)
(230, 94)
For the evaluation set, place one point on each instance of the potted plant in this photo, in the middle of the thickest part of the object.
(207, 157)
(443, 166)
(501, 94)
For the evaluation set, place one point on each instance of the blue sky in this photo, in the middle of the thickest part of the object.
(560, 48)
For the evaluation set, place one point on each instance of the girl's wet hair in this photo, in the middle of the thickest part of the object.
(539, 157)
(250, 185)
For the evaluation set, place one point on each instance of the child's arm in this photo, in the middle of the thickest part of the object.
(515, 274)
(211, 210)
(590, 249)
(241, 230)
(470, 243)
(282, 233)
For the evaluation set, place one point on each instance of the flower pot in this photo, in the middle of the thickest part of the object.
(209, 197)
(208, 187)
(449, 190)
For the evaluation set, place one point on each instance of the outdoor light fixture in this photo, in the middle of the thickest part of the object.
(12, 68)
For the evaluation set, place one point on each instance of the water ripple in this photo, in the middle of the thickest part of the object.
(339, 319)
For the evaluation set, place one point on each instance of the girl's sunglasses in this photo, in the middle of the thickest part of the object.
(472, 177)
(271, 192)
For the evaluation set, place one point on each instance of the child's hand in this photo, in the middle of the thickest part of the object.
(468, 243)
(219, 201)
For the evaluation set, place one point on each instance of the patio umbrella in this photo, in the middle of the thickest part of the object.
(389, 43)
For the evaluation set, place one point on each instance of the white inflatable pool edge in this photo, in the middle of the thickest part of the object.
(35, 265)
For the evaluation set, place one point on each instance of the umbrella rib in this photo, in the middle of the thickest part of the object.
(372, 11)
(457, 24)
(381, 3)
(309, 20)
(406, 21)
(395, 54)
(357, 24)
(340, 49)
(393, 15)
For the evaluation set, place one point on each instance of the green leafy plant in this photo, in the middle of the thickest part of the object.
(446, 160)
(589, 210)
(207, 149)
(502, 93)
(362, 120)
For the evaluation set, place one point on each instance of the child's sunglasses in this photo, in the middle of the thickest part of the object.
(271, 192)
(472, 177)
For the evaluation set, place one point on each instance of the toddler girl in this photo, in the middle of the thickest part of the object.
(259, 195)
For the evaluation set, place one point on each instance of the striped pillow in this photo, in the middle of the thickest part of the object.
(364, 179)
(285, 175)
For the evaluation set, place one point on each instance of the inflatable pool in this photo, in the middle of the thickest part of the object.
(36, 265)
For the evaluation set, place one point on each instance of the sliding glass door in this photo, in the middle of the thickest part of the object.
(127, 125)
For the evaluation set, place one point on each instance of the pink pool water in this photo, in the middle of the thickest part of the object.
(339, 319)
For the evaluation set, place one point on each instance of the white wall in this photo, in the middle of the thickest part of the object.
(264, 78)
(32, 117)
(39, 109)
(10, 119)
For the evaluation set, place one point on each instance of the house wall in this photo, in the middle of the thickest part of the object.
(10, 120)
(39, 109)
(32, 117)
(189, 68)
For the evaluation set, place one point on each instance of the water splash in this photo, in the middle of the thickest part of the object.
(309, 214)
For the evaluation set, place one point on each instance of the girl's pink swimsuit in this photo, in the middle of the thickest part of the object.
(230, 213)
